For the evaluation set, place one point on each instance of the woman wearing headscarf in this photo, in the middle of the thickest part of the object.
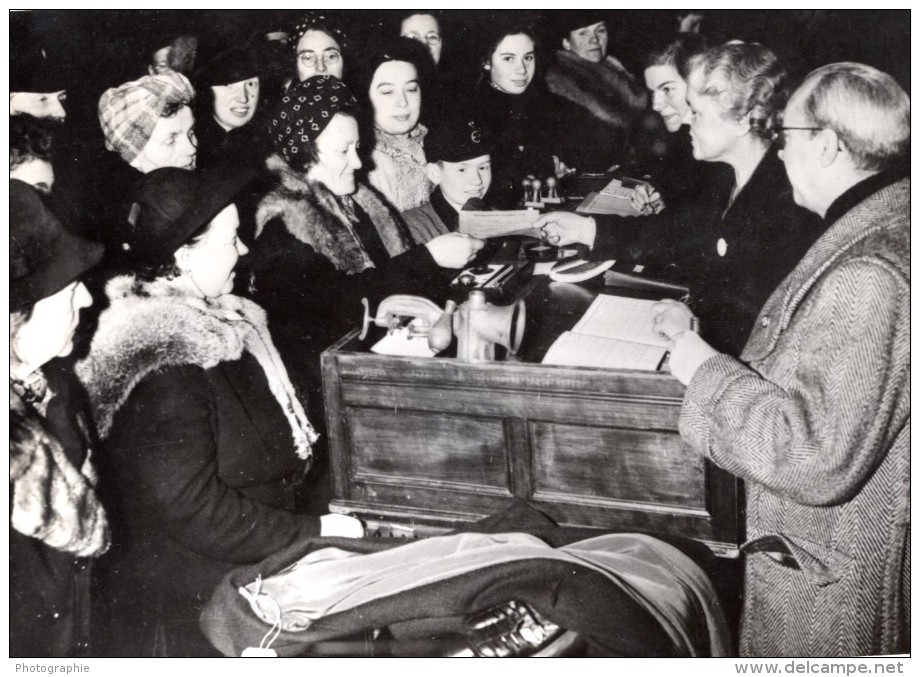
(57, 522)
(206, 441)
(324, 239)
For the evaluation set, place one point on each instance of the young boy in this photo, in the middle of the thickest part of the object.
(459, 164)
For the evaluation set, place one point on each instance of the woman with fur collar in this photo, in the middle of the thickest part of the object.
(323, 239)
(204, 433)
(606, 94)
(56, 520)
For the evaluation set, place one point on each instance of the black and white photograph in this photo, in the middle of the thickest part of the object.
(422, 333)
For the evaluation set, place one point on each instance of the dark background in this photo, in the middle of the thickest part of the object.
(107, 48)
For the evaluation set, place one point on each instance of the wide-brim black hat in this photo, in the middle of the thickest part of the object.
(44, 256)
(171, 204)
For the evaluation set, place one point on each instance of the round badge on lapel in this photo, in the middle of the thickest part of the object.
(721, 246)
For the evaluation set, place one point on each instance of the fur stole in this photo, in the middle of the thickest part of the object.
(49, 498)
(149, 326)
(605, 89)
(313, 215)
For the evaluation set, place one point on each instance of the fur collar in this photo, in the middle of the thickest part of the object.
(313, 215)
(149, 326)
(605, 89)
(49, 498)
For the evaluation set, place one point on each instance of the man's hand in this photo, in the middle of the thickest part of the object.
(646, 200)
(671, 318)
(561, 228)
(454, 250)
(340, 525)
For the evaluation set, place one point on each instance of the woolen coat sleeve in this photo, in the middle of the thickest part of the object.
(164, 443)
(813, 421)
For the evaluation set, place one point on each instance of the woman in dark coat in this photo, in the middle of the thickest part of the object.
(57, 523)
(737, 242)
(521, 117)
(324, 240)
(205, 438)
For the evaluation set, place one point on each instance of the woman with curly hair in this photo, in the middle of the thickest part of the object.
(741, 237)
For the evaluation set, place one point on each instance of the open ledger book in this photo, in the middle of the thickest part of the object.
(616, 332)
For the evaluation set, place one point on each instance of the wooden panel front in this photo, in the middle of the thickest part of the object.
(642, 466)
(399, 443)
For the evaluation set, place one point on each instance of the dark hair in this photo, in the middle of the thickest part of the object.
(171, 109)
(398, 49)
(494, 38)
(677, 52)
(31, 138)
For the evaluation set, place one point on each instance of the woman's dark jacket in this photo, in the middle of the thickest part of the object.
(56, 522)
(764, 234)
(524, 135)
(311, 265)
(200, 454)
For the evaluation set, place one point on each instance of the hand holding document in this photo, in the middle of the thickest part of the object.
(486, 224)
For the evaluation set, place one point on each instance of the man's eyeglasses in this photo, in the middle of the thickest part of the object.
(779, 134)
(431, 38)
(309, 59)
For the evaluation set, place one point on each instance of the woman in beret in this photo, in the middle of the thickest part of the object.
(206, 441)
(229, 94)
(57, 523)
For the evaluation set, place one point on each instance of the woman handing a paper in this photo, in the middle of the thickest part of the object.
(744, 234)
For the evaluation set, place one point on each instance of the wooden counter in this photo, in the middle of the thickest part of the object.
(439, 441)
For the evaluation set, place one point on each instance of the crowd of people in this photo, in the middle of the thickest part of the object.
(175, 274)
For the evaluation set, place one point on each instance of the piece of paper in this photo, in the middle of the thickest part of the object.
(616, 332)
(399, 343)
(582, 350)
(499, 223)
(599, 203)
(620, 317)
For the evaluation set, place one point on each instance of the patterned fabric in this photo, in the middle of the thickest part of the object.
(816, 417)
(399, 168)
(129, 113)
(317, 21)
(304, 112)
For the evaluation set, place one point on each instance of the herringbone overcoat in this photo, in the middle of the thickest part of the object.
(816, 418)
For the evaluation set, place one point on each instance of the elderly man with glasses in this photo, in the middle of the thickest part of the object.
(815, 415)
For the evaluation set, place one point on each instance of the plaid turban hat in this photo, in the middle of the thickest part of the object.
(129, 113)
(303, 113)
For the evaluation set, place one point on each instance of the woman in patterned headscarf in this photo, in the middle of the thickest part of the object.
(324, 239)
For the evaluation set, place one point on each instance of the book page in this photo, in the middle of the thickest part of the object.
(621, 318)
(582, 350)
